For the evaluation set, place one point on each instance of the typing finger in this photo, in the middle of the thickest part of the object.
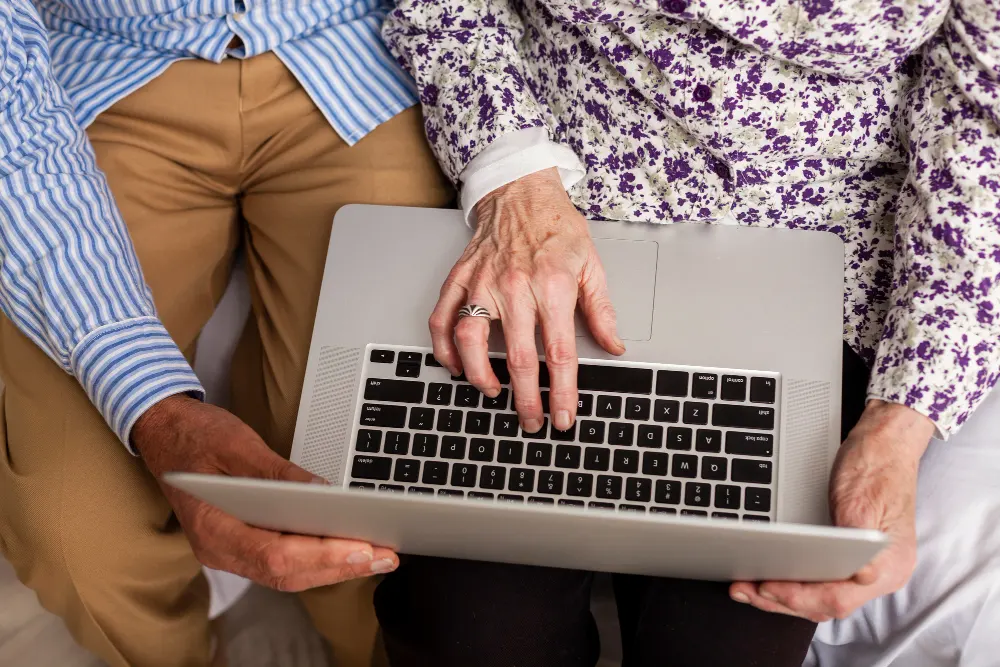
(472, 335)
(556, 298)
(443, 320)
(522, 362)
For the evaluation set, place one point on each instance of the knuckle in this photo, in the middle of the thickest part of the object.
(839, 607)
(521, 360)
(466, 334)
(438, 322)
(513, 282)
(560, 353)
(276, 564)
(554, 283)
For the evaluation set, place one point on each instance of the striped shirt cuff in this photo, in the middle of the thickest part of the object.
(127, 367)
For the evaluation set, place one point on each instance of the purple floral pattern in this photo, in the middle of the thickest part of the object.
(876, 120)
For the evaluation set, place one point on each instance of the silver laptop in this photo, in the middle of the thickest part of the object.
(704, 451)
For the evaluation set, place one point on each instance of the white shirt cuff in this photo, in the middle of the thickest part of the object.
(509, 158)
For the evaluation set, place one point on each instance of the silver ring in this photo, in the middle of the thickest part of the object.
(472, 310)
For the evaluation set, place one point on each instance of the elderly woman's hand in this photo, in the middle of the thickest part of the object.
(531, 260)
(874, 485)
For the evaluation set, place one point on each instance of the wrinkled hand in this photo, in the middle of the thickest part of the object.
(874, 485)
(530, 260)
(180, 434)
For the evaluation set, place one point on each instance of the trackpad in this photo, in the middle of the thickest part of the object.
(631, 270)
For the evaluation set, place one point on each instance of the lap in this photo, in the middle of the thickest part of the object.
(944, 613)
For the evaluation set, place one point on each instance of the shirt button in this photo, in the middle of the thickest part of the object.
(702, 93)
(676, 6)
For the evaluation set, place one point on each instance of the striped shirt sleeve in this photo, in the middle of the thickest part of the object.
(69, 276)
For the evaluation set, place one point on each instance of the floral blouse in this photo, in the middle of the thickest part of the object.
(877, 120)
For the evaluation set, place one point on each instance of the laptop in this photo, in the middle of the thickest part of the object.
(702, 452)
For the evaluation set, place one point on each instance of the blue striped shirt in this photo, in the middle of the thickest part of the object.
(69, 276)
(104, 49)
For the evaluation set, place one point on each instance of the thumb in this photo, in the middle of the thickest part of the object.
(598, 311)
(259, 461)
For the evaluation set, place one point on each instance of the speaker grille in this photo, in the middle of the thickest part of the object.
(807, 452)
(328, 426)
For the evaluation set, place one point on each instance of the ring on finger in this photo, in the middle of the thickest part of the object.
(474, 310)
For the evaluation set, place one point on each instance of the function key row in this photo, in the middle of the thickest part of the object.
(558, 482)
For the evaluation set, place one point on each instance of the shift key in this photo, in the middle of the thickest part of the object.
(743, 416)
(371, 467)
(391, 416)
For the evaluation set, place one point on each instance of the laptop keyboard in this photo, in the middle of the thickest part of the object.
(654, 438)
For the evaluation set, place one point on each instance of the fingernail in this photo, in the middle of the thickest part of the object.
(741, 597)
(532, 426)
(383, 565)
(619, 341)
(359, 557)
(319, 480)
(767, 596)
(493, 393)
(562, 421)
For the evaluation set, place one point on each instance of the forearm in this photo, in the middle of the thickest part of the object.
(69, 276)
(940, 350)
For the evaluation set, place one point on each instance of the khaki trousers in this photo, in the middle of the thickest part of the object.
(204, 159)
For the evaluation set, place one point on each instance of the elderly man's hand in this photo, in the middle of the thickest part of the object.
(531, 260)
(874, 485)
(185, 435)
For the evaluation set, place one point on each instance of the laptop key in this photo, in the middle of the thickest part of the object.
(480, 495)
(755, 517)
(672, 383)
(757, 499)
(550, 482)
(655, 463)
(749, 444)
(650, 436)
(477, 422)
(694, 513)
(580, 484)
(569, 435)
(420, 491)
(638, 489)
(695, 412)
(708, 440)
(762, 390)
(453, 493)
(369, 441)
(505, 425)
(626, 460)
(685, 466)
(421, 419)
(521, 479)
(449, 421)
(467, 396)
(407, 470)
(678, 437)
(394, 391)
(452, 447)
(623, 507)
(668, 492)
(568, 456)
(592, 432)
(666, 410)
(366, 486)
(609, 487)
(566, 502)
(539, 454)
(725, 515)
(620, 379)
(439, 393)
(697, 494)
(584, 405)
(371, 467)
(435, 472)
(714, 467)
(609, 406)
(481, 449)
(393, 488)
(382, 356)
(429, 360)
(492, 477)
(410, 357)
(510, 498)
(536, 500)
(734, 388)
(727, 497)
(425, 444)
(390, 416)
(743, 416)
(596, 458)
(464, 474)
(407, 370)
(397, 443)
(498, 403)
(754, 472)
(620, 433)
(539, 434)
(704, 385)
(637, 409)
(662, 510)
(595, 505)
(511, 451)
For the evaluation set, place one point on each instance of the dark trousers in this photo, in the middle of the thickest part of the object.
(438, 612)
